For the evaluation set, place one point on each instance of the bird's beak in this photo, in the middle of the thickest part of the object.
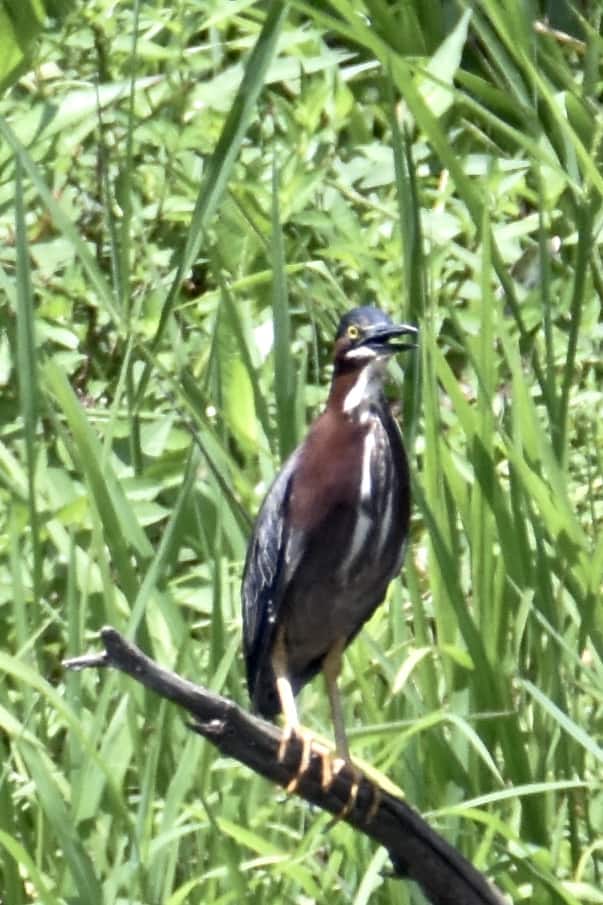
(384, 338)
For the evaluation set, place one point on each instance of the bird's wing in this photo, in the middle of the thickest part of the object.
(272, 557)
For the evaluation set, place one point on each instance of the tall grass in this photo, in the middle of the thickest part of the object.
(190, 198)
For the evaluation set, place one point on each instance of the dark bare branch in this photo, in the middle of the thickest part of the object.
(417, 852)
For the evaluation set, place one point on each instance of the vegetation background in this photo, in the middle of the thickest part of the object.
(190, 195)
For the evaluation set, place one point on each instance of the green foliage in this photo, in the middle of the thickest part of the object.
(20, 24)
(190, 195)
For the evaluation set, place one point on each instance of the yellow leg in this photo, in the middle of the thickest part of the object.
(287, 699)
(283, 685)
(331, 668)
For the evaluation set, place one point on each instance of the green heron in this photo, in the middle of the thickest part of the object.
(331, 532)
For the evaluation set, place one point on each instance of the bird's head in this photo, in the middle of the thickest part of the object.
(365, 339)
(366, 334)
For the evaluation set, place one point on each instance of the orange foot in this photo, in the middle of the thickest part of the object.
(331, 771)
(331, 768)
(309, 747)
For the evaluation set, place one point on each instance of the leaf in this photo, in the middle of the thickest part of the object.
(443, 66)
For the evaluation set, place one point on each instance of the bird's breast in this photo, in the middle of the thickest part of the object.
(351, 477)
(353, 523)
(374, 506)
(329, 474)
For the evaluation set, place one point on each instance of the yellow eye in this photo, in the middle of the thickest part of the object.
(353, 331)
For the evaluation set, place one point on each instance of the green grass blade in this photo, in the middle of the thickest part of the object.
(222, 160)
(77, 860)
(283, 363)
(121, 529)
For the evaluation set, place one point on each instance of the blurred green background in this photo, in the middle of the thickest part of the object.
(190, 195)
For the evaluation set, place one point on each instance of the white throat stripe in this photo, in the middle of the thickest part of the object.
(365, 390)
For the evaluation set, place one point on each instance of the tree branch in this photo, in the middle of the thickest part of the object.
(417, 852)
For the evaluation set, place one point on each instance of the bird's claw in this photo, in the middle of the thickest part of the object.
(331, 768)
(309, 747)
(288, 733)
(336, 765)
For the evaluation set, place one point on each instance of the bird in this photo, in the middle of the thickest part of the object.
(331, 532)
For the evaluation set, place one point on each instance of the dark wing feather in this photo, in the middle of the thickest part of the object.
(272, 556)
